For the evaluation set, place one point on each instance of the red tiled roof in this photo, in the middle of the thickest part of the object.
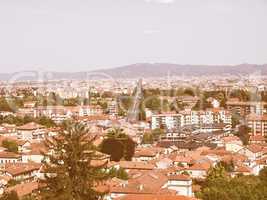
(24, 188)
(231, 139)
(183, 159)
(179, 177)
(6, 154)
(94, 117)
(200, 166)
(255, 148)
(145, 153)
(20, 168)
(155, 197)
(136, 165)
(243, 169)
(219, 152)
(30, 126)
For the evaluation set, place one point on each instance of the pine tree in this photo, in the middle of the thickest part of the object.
(69, 171)
(10, 196)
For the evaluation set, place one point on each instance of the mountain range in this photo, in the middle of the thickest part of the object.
(153, 70)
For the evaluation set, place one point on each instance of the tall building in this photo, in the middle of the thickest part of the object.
(257, 124)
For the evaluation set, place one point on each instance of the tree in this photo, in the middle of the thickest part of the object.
(45, 121)
(228, 166)
(202, 104)
(69, 171)
(10, 145)
(118, 173)
(147, 138)
(189, 92)
(243, 134)
(157, 133)
(4, 105)
(241, 94)
(113, 147)
(30, 197)
(219, 186)
(215, 173)
(118, 145)
(235, 120)
(263, 175)
(10, 119)
(129, 149)
(10, 196)
(153, 103)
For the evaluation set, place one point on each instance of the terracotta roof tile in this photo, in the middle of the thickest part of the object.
(30, 126)
(20, 168)
(24, 188)
(155, 197)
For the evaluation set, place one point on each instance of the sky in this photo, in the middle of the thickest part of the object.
(78, 35)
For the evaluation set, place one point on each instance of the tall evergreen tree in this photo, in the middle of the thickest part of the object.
(10, 196)
(69, 171)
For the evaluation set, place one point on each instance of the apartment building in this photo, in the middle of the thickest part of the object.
(90, 110)
(187, 118)
(167, 121)
(257, 124)
(245, 108)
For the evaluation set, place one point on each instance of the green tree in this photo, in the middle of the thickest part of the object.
(189, 92)
(27, 119)
(218, 186)
(228, 166)
(243, 134)
(10, 119)
(112, 147)
(156, 133)
(10, 145)
(118, 145)
(30, 197)
(69, 171)
(118, 173)
(215, 173)
(235, 120)
(147, 138)
(10, 196)
(263, 175)
(153, 103)
(129, 149)
(45, 121)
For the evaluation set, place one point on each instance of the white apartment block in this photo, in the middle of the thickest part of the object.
(168, 121)
(173, 121)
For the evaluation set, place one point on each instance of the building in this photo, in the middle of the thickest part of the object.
(112, 108)
(173, 121)
(182, 184)
(22, 171)
(245, 108)
(9, 157)
(257, 124)
(90, 110)
(167, 121)
(31, 131)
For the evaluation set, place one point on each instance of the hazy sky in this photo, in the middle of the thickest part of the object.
(76, 35)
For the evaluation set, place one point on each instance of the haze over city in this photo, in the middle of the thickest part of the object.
(68, 36)
(133, 100)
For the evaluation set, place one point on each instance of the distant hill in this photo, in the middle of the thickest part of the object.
(157, 70)
(163, 69)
